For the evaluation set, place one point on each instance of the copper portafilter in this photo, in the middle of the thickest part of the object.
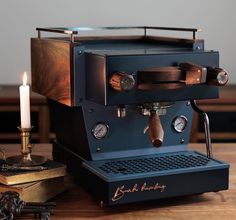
(154, 128)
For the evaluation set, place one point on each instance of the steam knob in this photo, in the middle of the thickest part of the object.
(217, 76)
(122, 82)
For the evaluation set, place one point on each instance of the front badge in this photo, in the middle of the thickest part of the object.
(122, 191)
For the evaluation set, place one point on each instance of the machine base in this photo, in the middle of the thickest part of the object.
(134, 179)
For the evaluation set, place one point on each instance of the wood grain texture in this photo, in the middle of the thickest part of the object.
(51, 69)
(161, 78)
(78, 204)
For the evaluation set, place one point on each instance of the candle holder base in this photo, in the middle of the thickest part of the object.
(26, 159)
(18, 161)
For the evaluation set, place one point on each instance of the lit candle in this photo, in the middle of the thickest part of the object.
(25, 103)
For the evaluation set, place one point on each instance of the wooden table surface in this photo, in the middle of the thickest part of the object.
(78, 204)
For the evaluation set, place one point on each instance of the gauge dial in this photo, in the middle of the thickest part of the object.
(179, 123)
(100, 130)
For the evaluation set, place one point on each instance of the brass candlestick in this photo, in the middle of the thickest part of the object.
(26, 159)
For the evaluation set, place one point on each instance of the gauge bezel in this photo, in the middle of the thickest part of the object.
(94, 127)
(174, 120)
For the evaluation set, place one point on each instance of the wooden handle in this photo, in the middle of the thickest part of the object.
(155, 130)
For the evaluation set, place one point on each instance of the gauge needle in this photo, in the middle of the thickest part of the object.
(99, 130)
(179, 123)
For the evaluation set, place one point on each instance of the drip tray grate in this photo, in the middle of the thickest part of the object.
(153, 164)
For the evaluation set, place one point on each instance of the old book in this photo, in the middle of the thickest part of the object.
(39, 191)
(55, 169)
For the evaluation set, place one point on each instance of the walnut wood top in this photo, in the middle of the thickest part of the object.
(78, 204)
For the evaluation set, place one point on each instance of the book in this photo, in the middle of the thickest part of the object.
(55, 169)
(39, 191)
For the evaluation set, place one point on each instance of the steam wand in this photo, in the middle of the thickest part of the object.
(206, 128)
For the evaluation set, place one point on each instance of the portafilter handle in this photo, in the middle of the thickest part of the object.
(155, 130)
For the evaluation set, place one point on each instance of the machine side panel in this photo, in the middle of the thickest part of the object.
(79, 75)
(96, 77)
(69, 126)
(51, 69)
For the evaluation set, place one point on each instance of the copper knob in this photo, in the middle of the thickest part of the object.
(155, 130)
(217, 76)
(122, 82)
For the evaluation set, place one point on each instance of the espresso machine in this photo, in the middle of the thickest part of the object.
(122, 107)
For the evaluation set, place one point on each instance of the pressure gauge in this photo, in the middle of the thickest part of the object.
(100, 130)
(179, 123)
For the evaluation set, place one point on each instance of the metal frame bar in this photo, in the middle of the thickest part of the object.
(76, 30)
(206, 128)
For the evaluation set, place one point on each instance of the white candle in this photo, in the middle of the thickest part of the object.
(25, 103)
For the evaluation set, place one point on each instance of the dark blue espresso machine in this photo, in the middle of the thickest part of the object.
(122, 107)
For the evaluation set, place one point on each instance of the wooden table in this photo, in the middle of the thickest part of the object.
(78, 204)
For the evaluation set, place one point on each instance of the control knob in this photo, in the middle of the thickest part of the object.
(217, 76)
(122, 82)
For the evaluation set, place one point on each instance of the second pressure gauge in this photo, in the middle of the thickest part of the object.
(179, 123)
(100, 130)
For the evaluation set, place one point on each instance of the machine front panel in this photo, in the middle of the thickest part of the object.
(108, 65)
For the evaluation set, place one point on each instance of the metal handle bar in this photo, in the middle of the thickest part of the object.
(76, 30)
(206, 128)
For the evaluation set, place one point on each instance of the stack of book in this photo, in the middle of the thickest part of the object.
(35, 186)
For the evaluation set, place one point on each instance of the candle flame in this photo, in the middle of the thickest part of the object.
(25, 79)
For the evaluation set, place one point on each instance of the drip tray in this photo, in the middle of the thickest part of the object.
(160, 164)
(133, 179)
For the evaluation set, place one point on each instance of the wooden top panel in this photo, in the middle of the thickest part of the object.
(50, 67)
